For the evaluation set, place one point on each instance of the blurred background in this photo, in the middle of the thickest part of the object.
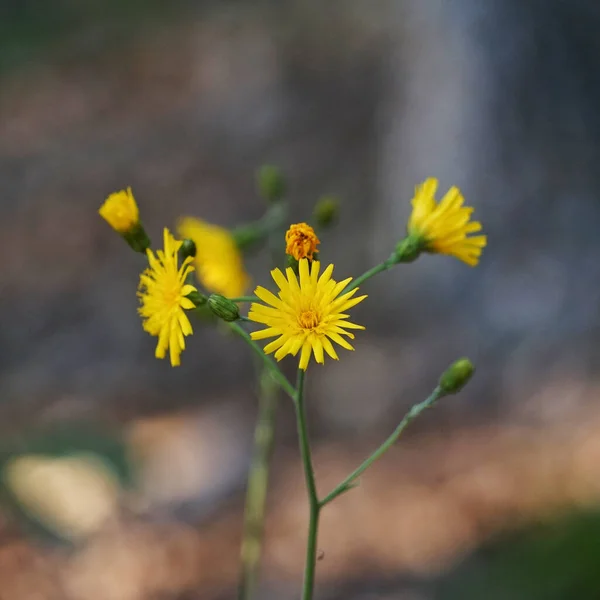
(494, 494)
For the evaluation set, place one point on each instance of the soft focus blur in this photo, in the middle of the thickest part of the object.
(494, 493)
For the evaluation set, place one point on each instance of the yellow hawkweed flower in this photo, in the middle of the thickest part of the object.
(162, 293)
(301, 241)
(305, 315)
(443, 227)
(120, 211)
(219, 263)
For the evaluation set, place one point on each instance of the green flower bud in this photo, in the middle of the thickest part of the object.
(271, 183)
(246, 236)
(223, 307)
(408, 249)
(456, 376)
(197, 298)
(188, 248)
(137, 238)
(326, 211)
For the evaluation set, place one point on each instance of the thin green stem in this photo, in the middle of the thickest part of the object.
(311, 487)
(412, 414)
(277, 375)
(258, 482)
(245, 299)
(384, 266)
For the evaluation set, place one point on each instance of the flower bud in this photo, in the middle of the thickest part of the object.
(188, 248)
(326, 211)
(246, 236)
(197, 298)
(271, 183)
(121, 212)
(223, 307)
(408, 249)
(456, 376)
(301, 241)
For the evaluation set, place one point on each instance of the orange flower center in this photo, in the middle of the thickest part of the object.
(308, 319)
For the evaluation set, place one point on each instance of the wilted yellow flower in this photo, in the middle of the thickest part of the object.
(162, 292)
(444, 227)
(301, 241)
(219, 263)
(121, 211)
(305, 315)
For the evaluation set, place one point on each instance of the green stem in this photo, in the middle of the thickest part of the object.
(311, 487)
(245, 299)
(384, 266)
(412, 414)
(277, 375)
(258, 481)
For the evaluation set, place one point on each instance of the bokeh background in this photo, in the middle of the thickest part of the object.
(491, 495)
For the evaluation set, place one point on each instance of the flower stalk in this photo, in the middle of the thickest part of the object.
(258, 483)
(311, 488)
(410, 416)
(270, 364)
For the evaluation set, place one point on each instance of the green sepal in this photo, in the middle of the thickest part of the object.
(137, 238)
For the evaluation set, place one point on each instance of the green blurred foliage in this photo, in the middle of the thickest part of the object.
(29, 28)
(557, 560)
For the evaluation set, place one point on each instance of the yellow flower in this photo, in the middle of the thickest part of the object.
(305, 315)
(301, 241)
(219, 263)
(121, 211)
(162, 293)
(444, 227)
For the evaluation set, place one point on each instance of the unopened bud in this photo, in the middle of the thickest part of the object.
(246, 236)
(188, 248)
(271, 183)
(197, 298)
(223, 307)
(456, 376)
(326, 211)
(120, 211)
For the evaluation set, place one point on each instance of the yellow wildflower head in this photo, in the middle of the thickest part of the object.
(301, 241)
(219, 263)
(444, 227)
(162, 292)
(121, 211)
(306, 315)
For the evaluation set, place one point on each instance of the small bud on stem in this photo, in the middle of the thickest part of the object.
(456, 376)
(223, 308)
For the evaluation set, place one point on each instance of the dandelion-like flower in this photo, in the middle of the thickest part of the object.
(306, 315)
(120, 211)
(444, 227)
(301, 241)
(162, 292)
(219, 263)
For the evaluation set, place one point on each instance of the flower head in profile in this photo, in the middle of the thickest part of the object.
(445, 227)
(120, 211)
(218, 261)
(306, 315)
(301, 241)
(162, 292)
